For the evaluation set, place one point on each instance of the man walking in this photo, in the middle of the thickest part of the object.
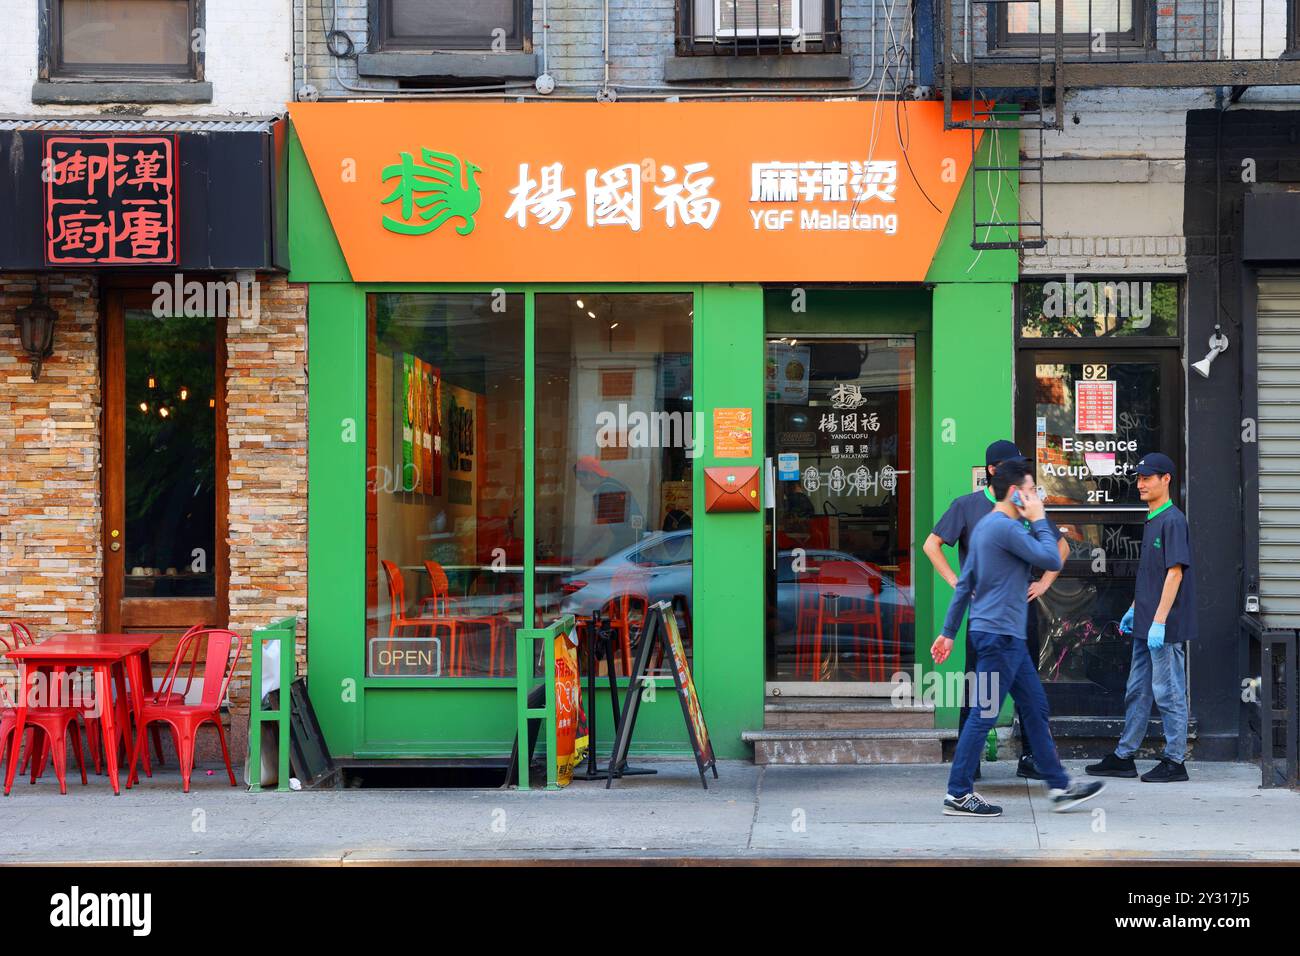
(1161, 621)
(955, 527)
(993, 583)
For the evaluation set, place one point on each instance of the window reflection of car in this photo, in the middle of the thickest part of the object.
(874, 584)
(661, 562)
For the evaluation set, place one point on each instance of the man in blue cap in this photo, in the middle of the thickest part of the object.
(955, 527)
(1161, 621)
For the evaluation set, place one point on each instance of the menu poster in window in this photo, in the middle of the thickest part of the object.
(111, 200)
(787, 372)
(1094, 407)
(733, 432)
(421, 427)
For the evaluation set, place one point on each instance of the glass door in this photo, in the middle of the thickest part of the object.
(840, 436)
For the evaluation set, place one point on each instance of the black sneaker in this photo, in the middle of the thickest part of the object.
(1028, 769)
(1166, 771)
(1112, 766)
(1075, 794)
(971, 805)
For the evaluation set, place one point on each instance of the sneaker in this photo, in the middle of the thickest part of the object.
(1028, 769)
(1112, 766)
(1166, 771)
(971, 805)
(1075, 794)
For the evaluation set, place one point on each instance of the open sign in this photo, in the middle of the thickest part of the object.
(406, 657)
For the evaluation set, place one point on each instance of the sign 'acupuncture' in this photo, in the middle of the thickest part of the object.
(110, 200)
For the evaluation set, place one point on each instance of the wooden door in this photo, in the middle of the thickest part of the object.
(165, 460)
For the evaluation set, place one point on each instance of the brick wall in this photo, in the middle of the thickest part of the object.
(266, 414)
(50, 526)
(641, 35)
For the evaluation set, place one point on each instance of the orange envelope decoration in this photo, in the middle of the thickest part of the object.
(731, 489)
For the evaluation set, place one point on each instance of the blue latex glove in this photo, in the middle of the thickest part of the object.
(1156, 636)
(1126, 622)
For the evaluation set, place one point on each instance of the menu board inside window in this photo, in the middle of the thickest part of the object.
(110, 200)
(1093, 421)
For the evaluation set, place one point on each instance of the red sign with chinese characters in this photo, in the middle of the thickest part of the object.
(110, 200)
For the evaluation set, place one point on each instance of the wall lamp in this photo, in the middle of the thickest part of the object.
(36, 330)
(1218, 345)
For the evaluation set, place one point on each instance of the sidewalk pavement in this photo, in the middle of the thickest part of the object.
(750, 815)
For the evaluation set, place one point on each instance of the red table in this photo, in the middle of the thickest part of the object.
(121, 659)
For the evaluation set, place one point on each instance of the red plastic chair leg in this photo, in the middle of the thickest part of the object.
(59, 751)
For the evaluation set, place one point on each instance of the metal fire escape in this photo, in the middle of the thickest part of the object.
(1032, 118)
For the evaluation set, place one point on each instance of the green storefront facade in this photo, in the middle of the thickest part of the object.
(957, 325)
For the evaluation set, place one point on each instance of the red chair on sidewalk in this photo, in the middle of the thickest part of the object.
(223, 650)
(53, 722)
(627, 607)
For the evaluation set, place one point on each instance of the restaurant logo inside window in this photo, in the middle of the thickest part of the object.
(110, 200)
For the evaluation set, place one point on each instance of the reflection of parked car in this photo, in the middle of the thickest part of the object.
(845, 589)
(660, 563)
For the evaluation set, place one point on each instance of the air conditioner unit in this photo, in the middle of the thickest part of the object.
(765, 18)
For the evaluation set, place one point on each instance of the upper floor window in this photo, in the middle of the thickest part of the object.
(1098, 24)
(748, 27)
(123, 38)
(420, 25)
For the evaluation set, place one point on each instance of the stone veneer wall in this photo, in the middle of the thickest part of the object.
(266, 415)
(50, 517)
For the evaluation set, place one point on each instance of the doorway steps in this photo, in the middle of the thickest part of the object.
(831, 730)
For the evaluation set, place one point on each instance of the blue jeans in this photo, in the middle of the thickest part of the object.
(1004, 666)
(1159, 676)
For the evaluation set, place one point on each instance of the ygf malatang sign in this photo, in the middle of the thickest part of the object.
(707, 192)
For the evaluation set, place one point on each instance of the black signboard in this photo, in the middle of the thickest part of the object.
(660, 631)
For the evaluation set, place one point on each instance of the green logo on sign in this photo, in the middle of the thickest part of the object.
(444, 188)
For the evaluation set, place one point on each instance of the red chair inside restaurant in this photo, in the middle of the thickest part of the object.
(398, 621)
(852, 602)
(444, 607)
(626, 608)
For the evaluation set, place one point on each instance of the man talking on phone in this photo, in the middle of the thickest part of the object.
(993, 584)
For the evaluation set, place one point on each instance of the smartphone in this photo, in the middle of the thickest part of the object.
(1016, 500)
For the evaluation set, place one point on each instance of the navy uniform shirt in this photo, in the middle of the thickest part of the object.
(963, 515)
(1165, 542)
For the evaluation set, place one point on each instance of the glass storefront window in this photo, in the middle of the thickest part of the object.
(444, 528)
(615, 433)
(1084, 308)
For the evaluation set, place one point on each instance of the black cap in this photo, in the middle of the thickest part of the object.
(1154, 463)
(1001, 451)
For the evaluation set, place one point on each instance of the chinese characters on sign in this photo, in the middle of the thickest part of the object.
(613, 196)
(110, 201)
(444, 188)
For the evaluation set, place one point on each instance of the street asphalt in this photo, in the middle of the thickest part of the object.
(751, 814)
